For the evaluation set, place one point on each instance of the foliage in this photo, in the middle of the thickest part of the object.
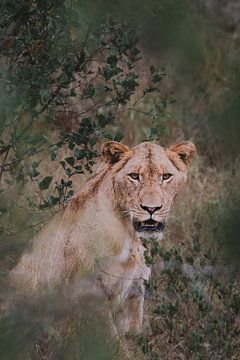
(192, 307)
(193, 297)
(49, 327)
(75, 73)
(63, 83)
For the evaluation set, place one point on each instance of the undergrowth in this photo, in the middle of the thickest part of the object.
(193, 296)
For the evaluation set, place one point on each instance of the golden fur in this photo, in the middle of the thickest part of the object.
(95, 246)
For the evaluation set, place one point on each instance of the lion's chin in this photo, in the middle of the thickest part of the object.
(150, 226)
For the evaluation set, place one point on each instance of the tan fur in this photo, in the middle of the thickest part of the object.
(93, 246)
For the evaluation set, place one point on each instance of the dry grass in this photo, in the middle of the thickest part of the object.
(193, 303)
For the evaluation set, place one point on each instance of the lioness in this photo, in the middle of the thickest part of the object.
(96, 244)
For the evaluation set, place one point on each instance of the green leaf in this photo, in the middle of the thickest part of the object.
(152, 69)
(108, 136)
(53, 156)
(112, 60)
(78, 170)
(72, 92)
(156, 78)
(70, 193)
(153, 134)
(102, 120)
(79, 154)
(90, 90)
(107, 72)
(71, 146)
(70, 160)
(33, 172)
(119, 136)
(52, 200)
(78, 167)
(63, 79)
(44, 184)
(135, 51)
(68, 172)
(86, 122)
(93, 141)
(62, 163)
(130, 83)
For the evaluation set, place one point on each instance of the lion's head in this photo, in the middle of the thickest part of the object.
(146, 179)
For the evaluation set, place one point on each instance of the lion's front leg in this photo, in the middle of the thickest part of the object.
(129, 316)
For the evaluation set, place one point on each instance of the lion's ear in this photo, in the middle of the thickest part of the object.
(112, 151)
(185, 150)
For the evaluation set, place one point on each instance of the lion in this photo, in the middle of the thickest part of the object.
(95, 246)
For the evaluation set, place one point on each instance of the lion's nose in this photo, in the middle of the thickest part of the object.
(151, 209)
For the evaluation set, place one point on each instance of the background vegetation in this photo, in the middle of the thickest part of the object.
(75, 73)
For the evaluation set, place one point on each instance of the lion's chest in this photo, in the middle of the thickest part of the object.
(118, 274)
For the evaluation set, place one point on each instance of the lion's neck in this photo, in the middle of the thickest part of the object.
(93, 212)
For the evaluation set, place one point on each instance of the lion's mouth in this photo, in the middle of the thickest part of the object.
(148, 225)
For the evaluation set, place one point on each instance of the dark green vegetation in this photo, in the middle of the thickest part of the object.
(76, 73)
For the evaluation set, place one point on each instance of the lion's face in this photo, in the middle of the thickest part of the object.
(146, 180)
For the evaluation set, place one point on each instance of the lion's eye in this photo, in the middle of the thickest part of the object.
(134, 176)
(166, 176)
